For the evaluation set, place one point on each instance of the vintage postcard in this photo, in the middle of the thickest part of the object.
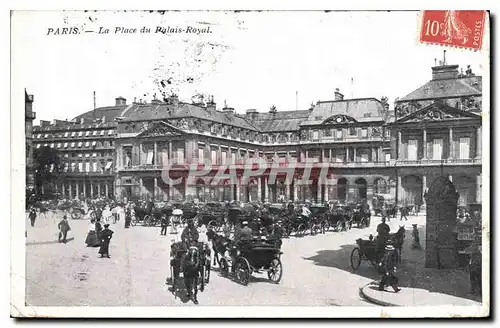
(250, 164)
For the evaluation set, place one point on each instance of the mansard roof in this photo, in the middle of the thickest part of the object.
(447, 88)
(360, 109)
(280, 120)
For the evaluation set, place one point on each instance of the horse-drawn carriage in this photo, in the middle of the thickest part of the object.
(339, 218)
(192, 259)
(211, 215)
(371, 250)
(319, 218)
(360, 215)
(254, 256)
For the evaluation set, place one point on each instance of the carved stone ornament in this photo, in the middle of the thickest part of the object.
(406, 108)
(376, 131)
(432, 115)
(304, 135)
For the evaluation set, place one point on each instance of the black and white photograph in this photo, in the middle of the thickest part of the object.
(215, 163)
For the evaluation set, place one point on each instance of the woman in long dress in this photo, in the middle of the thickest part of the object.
(92, 239)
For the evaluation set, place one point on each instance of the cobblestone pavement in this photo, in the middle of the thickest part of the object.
(316, 270)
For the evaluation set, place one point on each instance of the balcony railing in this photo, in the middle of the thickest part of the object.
(88, 174)
(434, 162)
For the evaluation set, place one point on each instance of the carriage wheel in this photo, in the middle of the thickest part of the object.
(355, 258)
(134, 221)
(76, 215)
(212, 225)
(224, 267)
(301, 230)
(325, 226)
(275, 271)
(93, 215)
(263, 231)
(146, 221)
(338, 226)
(242, 271)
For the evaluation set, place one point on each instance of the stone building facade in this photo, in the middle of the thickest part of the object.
(347, 136)
(30, 115)
(437, 131)
(86, 148)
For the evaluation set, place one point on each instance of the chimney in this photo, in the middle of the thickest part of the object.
(228, 110)
(211, 105)
(445, 72)
(338, 95)
(120, 101)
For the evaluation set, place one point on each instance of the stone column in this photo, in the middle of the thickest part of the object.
(155, 189)
(77, 189)
(84, 189)
(369, 192)
(237, 187)
(259, 188)
(354, 154)
(155, 154)
(106, 188)
(295, 196)
(450, 147)
(347, 154)
(399, 190)
(99, 188)
(380, 155)
(91, 189)
(266, 190)
(478, 142)
(140, 188)
(170, 155)
(318, 193)
(479, 198)
(424, 144)
(69, 190)
(400, 145)
(287, 190)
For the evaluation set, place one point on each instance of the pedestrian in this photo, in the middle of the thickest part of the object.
(106, 214)
(404, 213)
(105, 237)
(63, 229)
(475, 271)
(128, 215)
(388, 267)
(163, 222)
(416, 238)
(32, 216)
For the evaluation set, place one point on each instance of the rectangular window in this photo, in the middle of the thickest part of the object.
(38, 146)
(127, 151)
(87, 167)
(223, 157)
(437, 149)
(66, 166)
(328, 132)
(412, 149)
(80, 155)
(233, 157)
(180, 155)
(352, 131)
(201, 155)
(66, 134)
(87, 133)
(59, 145)
(94, 166)
(339, 156)
(315, 135)
(80, 144)
(94, 154)
(94, 143)
(80, 167)
(102, 132)
(66, 155)
(364, 156)
(51, 145)
(80, 134)
(464, 148)
(46, 136)
(94, 133)
(110, 132)
(87, 155)
(213, 157)
(73, 134)
(387, 157)
(338, 134)
(150, 156)
(364, 133)
(87, 144)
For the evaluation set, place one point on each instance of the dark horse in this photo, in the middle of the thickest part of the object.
(191, 264)
(398, 239)
(220, 245)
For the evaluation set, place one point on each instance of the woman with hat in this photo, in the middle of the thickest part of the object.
(388, 266)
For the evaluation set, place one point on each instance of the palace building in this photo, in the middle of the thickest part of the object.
(86, 148)
(348, 136)
(437, 131)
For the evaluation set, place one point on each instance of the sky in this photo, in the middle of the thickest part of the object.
(288, 59)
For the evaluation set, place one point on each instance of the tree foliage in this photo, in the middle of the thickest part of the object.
(47, 166)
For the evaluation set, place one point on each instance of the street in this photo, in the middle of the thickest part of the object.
(316, 270)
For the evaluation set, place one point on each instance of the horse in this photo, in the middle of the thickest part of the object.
(191, 264)
(220, 245)
(398, 241)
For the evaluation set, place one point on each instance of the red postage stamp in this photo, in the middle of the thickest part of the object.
(454, 28)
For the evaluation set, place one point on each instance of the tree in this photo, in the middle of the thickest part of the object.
(47, 166)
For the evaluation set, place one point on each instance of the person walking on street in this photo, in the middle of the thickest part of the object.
(404, 213)
(105, 236)
(163, 222)
(63, 229)
(388, 265)
(32, 216)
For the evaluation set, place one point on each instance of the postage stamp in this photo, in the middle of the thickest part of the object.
(454, 28)
(240, 164)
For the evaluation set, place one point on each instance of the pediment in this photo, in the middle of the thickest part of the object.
(159, 129)
(339, 119)
(437, 112)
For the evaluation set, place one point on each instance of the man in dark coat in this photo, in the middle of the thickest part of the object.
(105, 237)
(63, 229)
(382, 236)
(475, 271)
(163, 223)
(32, 216)
(388, 265)
(190, 233)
